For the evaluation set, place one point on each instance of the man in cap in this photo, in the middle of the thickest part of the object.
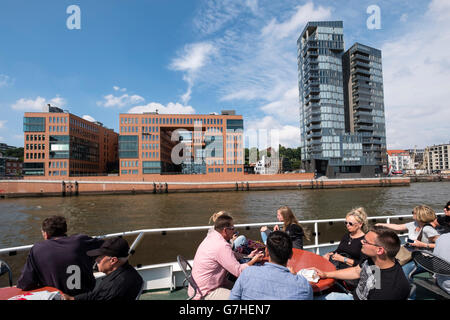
(122, 281)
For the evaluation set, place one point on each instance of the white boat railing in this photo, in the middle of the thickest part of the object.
(141, 233)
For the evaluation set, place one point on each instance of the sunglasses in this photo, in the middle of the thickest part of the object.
(230, 228)
(364, 241)
(351, 224)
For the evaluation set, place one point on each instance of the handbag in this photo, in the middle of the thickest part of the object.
(404, 255)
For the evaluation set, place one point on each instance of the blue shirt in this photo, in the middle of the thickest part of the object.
(270, 282)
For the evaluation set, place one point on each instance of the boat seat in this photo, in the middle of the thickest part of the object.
(434, 265)
(5, 268)
(187, 270)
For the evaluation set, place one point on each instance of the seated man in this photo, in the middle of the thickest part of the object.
(122, 282)
(273, 280)
(214, 259)
(380, 276)
(442, 250)
(60, 261)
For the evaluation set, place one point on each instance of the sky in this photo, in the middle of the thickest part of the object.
(98, 59)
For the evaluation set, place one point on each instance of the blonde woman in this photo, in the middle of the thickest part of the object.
(236, 241)
(290, 225)
(348, 253)
(421, 227)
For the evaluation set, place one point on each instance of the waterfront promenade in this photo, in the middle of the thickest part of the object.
(183, 183)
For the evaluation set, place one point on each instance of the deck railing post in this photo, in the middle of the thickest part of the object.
(316, 237)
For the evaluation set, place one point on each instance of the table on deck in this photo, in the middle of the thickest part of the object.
(302, 259)
(9, 292)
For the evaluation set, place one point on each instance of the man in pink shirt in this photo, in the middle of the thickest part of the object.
(214, 259)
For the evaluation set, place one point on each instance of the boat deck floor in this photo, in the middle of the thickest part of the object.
(181, 293)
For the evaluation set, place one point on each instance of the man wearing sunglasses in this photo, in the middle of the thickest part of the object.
(380, 276)
(214, 259)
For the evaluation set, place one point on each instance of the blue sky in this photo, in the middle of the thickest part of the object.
(186, 56)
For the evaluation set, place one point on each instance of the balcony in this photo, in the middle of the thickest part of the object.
(363, 128)
(313, 127)
(357, 56)
(361, 120)
(359, 63)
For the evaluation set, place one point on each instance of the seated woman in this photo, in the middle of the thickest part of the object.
(290, 225)
(348, 253)
(420, 232)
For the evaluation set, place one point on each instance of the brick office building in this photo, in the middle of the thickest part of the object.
(60, 144)
(152, 143)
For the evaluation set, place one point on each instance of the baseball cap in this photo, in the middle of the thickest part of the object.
(113, 247)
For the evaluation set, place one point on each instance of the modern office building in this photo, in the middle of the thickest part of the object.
(152, 143)
(60, 144)
(337, 137)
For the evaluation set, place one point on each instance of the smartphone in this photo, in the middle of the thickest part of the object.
(236, 233)
(409, 241)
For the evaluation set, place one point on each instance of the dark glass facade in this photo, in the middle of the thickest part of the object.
(34, 124)
(342, 123)
(128, 146)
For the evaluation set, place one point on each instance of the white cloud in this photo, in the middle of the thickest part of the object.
(416, 68)
(124, 100)
(290, 27)
(116, 88)
(2, 123)
(38, 104)
(170, 108)
(194, 57)
(5, 80)
(270, 131)
(89, 118)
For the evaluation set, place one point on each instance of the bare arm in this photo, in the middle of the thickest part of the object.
(392, 226)
(343, 274)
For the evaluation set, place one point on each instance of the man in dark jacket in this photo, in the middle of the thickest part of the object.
(122, 282)
(60, 261)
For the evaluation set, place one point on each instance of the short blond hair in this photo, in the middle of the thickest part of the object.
(424, 214)
(361, 216)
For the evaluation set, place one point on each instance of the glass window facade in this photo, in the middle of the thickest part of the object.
(33, 169)
(235, 124)
(34, 124)
(59, 147)
(149, 167)
(128, 146)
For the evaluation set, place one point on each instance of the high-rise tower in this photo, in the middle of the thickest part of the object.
(337, 138)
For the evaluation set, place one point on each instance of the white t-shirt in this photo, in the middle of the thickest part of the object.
(442, 250)
(428, 232)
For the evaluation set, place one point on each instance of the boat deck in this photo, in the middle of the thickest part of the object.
(181, 293)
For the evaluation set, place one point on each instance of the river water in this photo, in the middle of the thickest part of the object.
(21, 218)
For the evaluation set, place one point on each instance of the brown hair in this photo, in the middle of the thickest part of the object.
(289, 218)
(223, 221)
(387, 239)
(55, 226)
(361, 216)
